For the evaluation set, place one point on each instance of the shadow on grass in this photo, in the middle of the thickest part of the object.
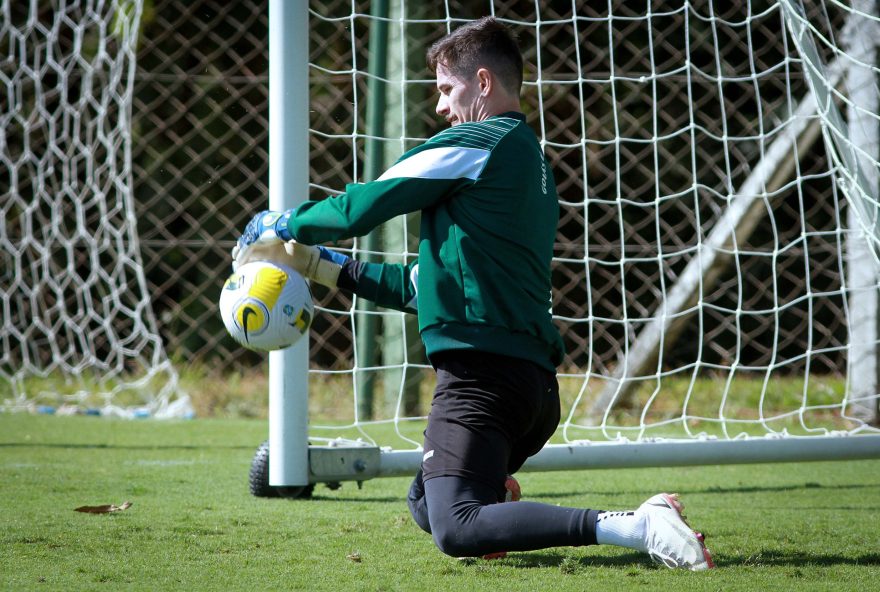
(357, 498)
(707, 490)
(124, 446)
(796, 559)
(538, 559)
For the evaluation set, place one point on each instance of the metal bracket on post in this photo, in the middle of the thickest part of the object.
(338, 463)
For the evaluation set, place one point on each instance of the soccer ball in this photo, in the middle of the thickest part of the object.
(266, 306)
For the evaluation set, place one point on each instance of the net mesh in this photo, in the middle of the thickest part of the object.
(701, 279)
(77, 326)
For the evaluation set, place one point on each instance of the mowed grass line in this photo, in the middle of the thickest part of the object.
(194, 526)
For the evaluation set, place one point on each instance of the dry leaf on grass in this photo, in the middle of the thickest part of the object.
(105, 509)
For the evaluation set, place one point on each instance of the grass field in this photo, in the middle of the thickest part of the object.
(194, 526)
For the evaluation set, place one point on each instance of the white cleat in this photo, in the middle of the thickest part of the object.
(668, 538)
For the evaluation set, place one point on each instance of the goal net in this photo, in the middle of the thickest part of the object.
(716, 267)
(78, 332)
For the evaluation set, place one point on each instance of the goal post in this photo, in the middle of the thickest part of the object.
(673, 453)
(288, 186)
(864, 130)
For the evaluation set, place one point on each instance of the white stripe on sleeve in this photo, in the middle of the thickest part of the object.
(414, 280)
(447, 162)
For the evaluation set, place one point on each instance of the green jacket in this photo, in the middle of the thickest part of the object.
(489, 215)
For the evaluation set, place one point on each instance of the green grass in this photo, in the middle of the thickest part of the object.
(194, 526)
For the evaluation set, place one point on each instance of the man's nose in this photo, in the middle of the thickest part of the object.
(442, 107)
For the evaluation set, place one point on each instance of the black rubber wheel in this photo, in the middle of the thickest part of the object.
(258, 479)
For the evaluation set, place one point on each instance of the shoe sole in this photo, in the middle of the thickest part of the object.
(675, 503)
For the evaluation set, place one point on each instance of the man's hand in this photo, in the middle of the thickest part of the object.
(265, 229)
(315, 263)
(268, 251)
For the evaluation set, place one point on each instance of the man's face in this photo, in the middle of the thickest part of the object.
(460, 100)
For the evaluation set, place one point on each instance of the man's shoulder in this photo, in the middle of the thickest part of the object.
(481, 135)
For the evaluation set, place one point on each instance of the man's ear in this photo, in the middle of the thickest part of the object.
(486, 81)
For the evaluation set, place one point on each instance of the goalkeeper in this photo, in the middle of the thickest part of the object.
(481, 289)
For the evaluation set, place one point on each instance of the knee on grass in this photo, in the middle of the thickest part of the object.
(455, 547)
(460, 541)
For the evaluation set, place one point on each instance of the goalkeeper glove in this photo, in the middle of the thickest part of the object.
(315, 263)
(265, 228)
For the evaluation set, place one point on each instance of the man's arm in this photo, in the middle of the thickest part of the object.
(365, 206)
(422, 177)
(390, 285)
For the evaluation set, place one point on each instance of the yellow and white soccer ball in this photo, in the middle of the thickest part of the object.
(266, 306)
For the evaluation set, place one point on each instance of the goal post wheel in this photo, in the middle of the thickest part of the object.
(258, 479)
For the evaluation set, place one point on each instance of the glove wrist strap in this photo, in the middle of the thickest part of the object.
(281, 228)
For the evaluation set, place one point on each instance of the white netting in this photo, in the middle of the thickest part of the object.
(708, 280)
(78, 331)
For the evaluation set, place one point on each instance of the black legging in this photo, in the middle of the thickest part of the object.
(466, 520)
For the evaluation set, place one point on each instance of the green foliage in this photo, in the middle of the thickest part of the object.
(194, 526)
(222, 394)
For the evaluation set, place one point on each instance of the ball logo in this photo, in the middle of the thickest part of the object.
(252, 317)
(252, 313)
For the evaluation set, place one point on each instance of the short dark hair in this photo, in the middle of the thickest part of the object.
(483, 43)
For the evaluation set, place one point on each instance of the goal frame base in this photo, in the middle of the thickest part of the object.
(335, 463)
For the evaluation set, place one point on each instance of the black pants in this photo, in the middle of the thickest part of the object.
(489, 414)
